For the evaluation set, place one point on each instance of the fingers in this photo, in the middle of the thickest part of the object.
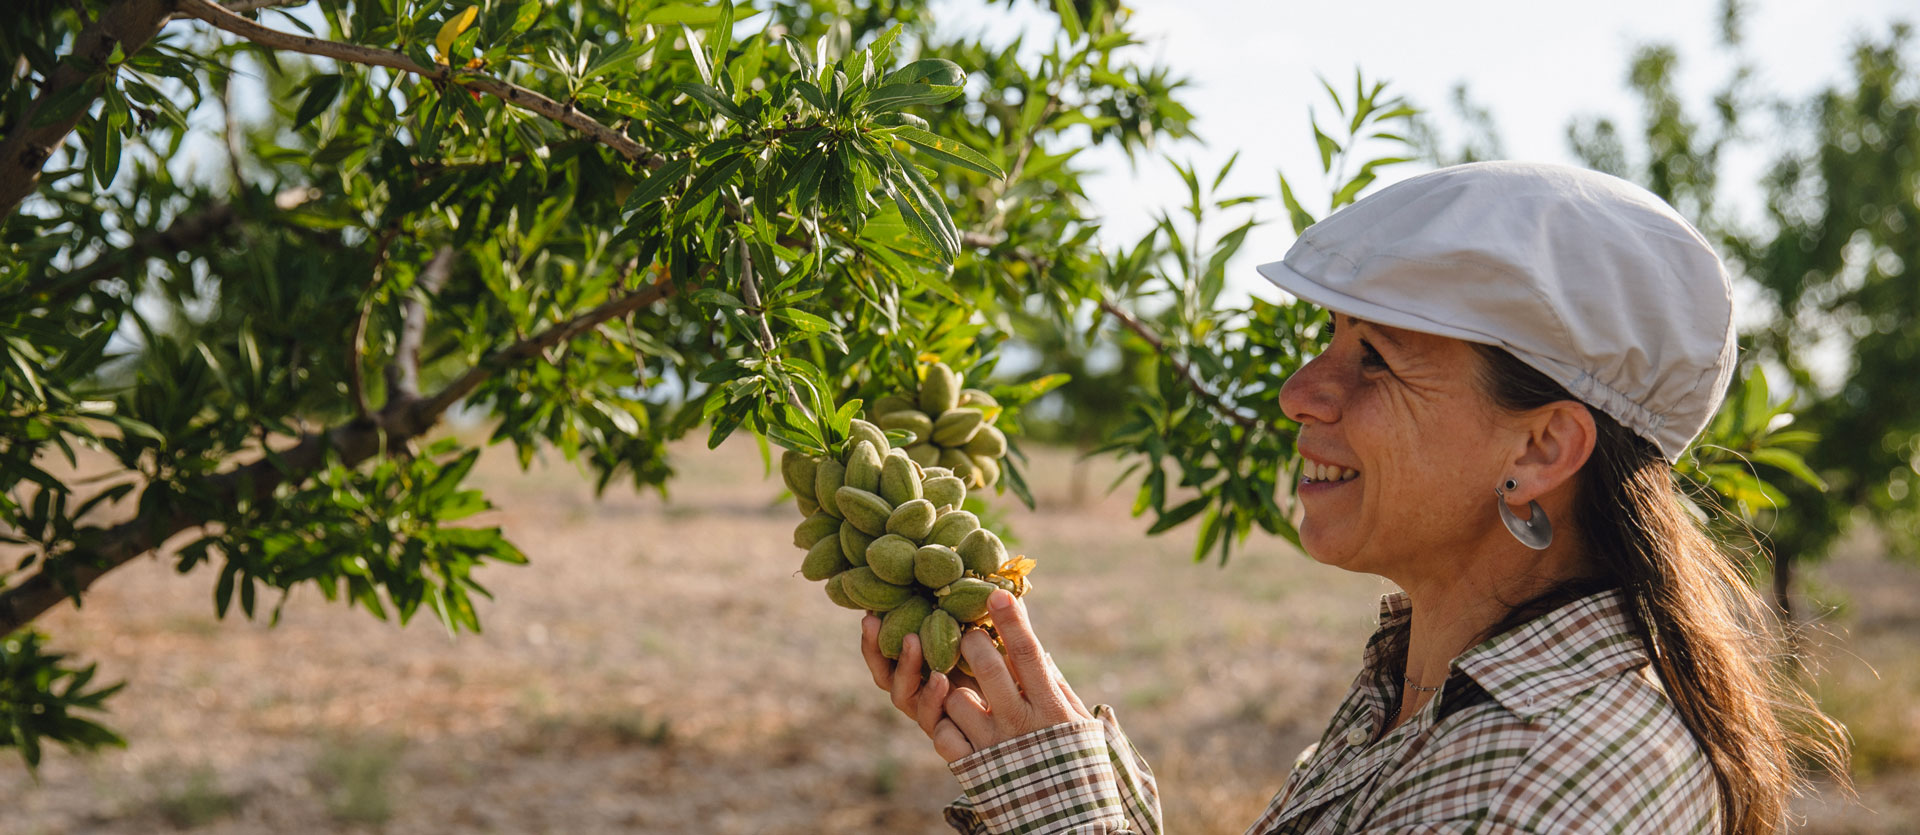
(1028, 660)
(1066, 690)
(968, 713)
(906, 677)
(996, 682)
(949, 741)
(877, 662)
(930, 706)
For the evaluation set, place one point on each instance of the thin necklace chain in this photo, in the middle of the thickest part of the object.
(1409, 680)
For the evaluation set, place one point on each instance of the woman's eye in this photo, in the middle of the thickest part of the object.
(1370, 358)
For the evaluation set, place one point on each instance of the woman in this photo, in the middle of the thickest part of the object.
(1519, 354)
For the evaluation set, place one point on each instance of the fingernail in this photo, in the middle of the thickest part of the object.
(1001, 600)
(910, 642)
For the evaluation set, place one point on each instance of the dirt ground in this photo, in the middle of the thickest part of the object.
(660, 668)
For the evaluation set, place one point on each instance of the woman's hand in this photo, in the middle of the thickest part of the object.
(924, 703)
(1007, 697)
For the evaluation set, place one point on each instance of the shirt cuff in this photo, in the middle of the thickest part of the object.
(1053, 779)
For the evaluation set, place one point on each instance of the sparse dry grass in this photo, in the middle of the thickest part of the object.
(659, 668)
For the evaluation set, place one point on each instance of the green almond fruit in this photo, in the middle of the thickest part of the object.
(934, 472)
(817, 526)
(828, 477)
(869, 592)
(888, 404)
(966, 599)
(958, 462)
(859, 430)
(940, 389)
(913, 520)
(935, 566)
(904, 620)
(944, 491)
(955, 427)
(863, 467)
(898, 484)
(925, 454)
(891, 558)
(839, 595)
(854, 542)
(986, 471)
(824, 560)
(915, 421)
(978, 399)
(989, 442)
(939, 641)
(867, 511)
(796, 469)
(952, 527)
(982, 551)
(807, 506)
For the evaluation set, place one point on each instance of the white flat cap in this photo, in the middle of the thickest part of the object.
(1586, 277)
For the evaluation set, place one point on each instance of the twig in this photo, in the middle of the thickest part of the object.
(403, 374)
(533, 345)
(750, 293)
(508, 92)
(1180, 365)
(356, 342)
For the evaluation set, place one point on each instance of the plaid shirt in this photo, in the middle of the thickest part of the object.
(1559, 726)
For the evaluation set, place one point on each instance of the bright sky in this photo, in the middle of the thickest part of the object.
(1534, 63)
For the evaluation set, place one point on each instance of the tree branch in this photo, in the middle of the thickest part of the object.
(128, 24)
(750, 293)
(403, 374)
(532, 346)
(184, 233)
(1180, 365)
(508, 92)
(357, 440)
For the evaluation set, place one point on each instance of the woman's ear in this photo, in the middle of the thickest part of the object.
(1560, 439)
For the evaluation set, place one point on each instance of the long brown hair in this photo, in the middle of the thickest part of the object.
(1713, 640)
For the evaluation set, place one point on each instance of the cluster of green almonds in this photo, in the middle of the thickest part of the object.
(888, 535)
(952, 426)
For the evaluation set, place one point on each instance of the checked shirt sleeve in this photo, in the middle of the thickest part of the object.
(1078, 777)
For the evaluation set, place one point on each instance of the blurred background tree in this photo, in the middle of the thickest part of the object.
(1830, 255)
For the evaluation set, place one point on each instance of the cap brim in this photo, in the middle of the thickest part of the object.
(1306, 287)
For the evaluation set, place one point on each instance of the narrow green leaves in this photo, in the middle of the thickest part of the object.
(949, 150)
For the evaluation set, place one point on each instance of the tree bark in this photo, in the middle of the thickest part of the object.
(128, 24)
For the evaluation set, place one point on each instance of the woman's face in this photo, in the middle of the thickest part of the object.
(1402, 450)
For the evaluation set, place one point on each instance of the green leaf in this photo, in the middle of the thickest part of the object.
(711, 179)
(893, 97)
(1792, 463)
(714, 99)
(699, 53)
(1299, 216)
(657, 184)
(321, 92)
(681, 13)
(950, 150)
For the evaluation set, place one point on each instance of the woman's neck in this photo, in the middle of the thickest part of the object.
(1456, 609)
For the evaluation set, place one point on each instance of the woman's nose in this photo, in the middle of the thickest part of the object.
(1308, 395)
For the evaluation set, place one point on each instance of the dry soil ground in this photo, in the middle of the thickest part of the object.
(658, 668)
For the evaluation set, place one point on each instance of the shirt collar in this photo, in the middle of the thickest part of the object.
(1531, 669)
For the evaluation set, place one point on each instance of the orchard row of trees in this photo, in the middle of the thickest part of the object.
(253, 252)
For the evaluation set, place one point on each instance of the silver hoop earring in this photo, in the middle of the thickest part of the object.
(1536, 531)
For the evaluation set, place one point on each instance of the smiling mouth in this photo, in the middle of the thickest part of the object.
(1314, 472)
